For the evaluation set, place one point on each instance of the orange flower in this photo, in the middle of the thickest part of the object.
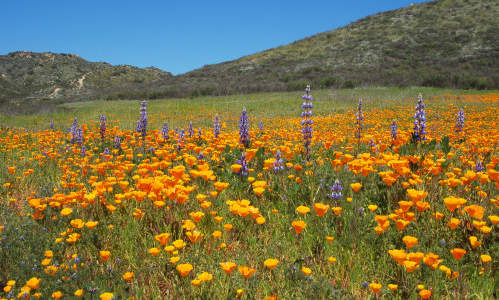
(104, 255)
(356, 186)
(474, 242)
(298, 226)
(66, 211)
(197, 216)
(453, 203)
(57, 295)
(162, 238)
(306, 271)
(302, 210)
(128, 276)
(475, 211)
(246, 271)
(271, 263)
(375, 287)
(485, 258)
(184, 269)
(236, 167)
(194, 236)
(453, 223)
(320, 209)
(410, 241)
(393, 287)
(154, 251)
(33, 283)
(425, 294)
(410, 266)
(458, 253)
(228, 267)
(336, 210)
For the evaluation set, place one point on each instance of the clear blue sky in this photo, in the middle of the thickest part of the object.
(176, 36)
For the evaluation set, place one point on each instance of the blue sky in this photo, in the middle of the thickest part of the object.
(176, 36)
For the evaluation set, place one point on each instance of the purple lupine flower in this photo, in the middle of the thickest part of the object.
(79, 136)
(244, 165)
(479, 166)
(307, 120)
(102, 126)
(73, 129)
(459, 121)
(200, 156)
(260, 125)
(336, 190)
(180, 139)
(52, 124)
(278, 163)
(142, 122)
(106, 151)
(190, 129)
(200, 132)
(117, 142)
(216, 126)
(164, 131)
(419, 133)
(244, 137)
(393, 130)
(83, 151)
(358, 122)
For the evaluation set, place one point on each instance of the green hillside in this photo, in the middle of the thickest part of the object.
(450, 43)
(47, 75)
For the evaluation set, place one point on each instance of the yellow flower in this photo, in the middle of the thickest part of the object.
(306, 271)
(302, 209)
(57, 295)
(128, 276)
(33, 283)
(205, 276)
(66, 211)
(184, 269)
(485, 258)
(106, 296)
(271, 263)
(375, 287)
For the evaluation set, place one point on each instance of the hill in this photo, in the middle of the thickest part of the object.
(450, 43)
(48, 75)
(443, 43)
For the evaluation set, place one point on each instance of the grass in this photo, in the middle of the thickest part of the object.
(135, 194)
(178, 112)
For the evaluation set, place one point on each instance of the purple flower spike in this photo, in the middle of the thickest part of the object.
(164, 131)
(419, 133)
(102, 126)
(217, 127)
(358, 122)
(244, 137)
(459, 121)
(393, 130)
(307, 120)
(142, 123)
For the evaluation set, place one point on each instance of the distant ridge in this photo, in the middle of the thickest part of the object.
(443, 43)
(27, 75)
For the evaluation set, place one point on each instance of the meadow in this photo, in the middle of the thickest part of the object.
(259, 196)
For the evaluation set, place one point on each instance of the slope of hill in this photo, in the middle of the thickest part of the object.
(49, 75)
(443, 43)
(450, 43)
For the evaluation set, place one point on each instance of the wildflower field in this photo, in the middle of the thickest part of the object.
(274, 196)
